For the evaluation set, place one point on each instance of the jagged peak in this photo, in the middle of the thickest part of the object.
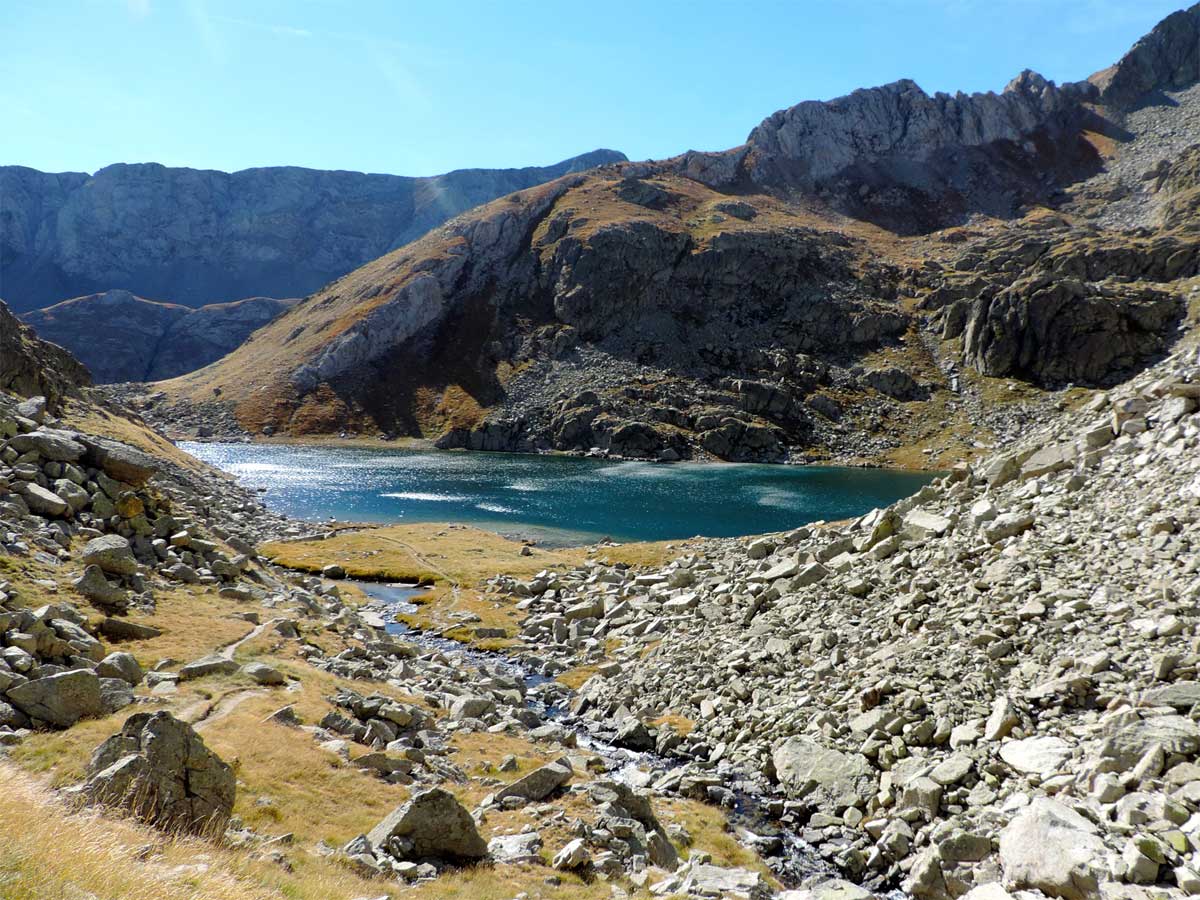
(1168, 58)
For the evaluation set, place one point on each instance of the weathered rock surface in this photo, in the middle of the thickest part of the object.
(30, 367)
(197, 237)
(59, 700)
(159, 769)
(433, 824)
(1051, 848)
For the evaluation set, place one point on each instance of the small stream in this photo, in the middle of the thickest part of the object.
(791, 859)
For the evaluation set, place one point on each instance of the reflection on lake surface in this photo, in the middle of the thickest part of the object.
(554, 497)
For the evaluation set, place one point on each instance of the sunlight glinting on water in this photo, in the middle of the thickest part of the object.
(564, 495)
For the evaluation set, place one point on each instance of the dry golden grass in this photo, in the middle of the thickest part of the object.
(96, 420)
(50, 852)
(455, 559)
(47, 853)
(682, 724)
(576, 677)
(709, 832)
(451, 554)
(427, 553)
(193, 621)
(288, 783)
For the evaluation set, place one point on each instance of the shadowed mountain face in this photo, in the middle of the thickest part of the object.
(30, 366)
(198, 237)
(851, 254)
(120, 337)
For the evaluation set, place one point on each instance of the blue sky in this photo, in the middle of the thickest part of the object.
(417, 88)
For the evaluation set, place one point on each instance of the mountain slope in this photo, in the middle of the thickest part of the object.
(797, 293)
(120, 337)
(198, 236)
(31, 367)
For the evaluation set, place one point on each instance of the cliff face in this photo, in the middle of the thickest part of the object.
(121, 337)
(845, 261)
(200, 237)
(912, 162)
(31, 367)
(1168, 58)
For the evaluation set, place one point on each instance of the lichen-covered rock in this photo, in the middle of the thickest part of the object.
(60, 700)
(111, 553)
(433, 824)
(160, 770)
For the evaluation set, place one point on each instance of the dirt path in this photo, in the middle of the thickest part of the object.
(420, 559)
(227, 650)
(203, 713)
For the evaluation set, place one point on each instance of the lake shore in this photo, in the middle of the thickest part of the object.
(551, 499)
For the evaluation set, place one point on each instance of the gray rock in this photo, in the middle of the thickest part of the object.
(213, 664)
(433, 824)
(100, 591)
(261, 673)
(119, 461)
(805, 768)
(1036, 755)
(48, 443)
(44, 502)
(120, 665)
(111, 553)
(159, 769)
(573, 855)
(516, 848)
(124, 630)
(538, 784)
(60, 700)
(1051, 848)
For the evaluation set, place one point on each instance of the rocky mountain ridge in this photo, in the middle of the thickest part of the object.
(197, 237)
(121, 337)
(766, 302)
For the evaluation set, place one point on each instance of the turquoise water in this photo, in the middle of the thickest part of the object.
(553, 497)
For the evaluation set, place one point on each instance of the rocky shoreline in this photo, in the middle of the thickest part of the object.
(928, 697)
(993, 680)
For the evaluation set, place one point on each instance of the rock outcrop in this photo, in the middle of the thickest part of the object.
(159, 769)
(724, 305)
(199, 237)
(120, 337)
(1052, 305)
(1166, 59)
(32, 367)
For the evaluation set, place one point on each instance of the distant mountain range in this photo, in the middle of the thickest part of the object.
(786, 295)
(196, 237)
(122, 337)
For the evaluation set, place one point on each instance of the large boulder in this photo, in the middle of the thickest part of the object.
(119, 461)
(100, 591)
(433, 824)
(808, 769)
(1066, 330)
(41, 501)
(120, 665)
(60, 700)
(1051, 848)
(49, 443)
(112, 553)
(159, 769)
(538, 784)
